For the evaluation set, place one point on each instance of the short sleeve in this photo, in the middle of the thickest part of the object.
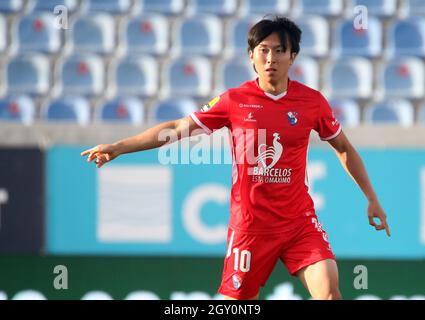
(327, 125)
(214, 115)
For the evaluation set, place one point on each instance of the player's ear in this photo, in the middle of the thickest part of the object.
(251, 55)
(293, 56)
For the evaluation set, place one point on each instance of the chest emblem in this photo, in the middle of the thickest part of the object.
(292, 118)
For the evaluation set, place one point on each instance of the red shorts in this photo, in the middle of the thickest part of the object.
(250, 258)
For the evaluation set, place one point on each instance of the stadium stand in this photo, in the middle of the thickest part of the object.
(28, 74)
(377, 8)
(254, 7)
(159, 49)
(17, 109)
(350, 77)
(397, 111)
(94, 33)
(166, 7)
(201, 34)
(346, 111)
(232, 73)
(3, 33)
(110, 6)
(121, 110)
(73, 109)
(315, 35)
(407, 37)
(137, 76)
(358, 42)
(327, 8)
(38, 32)
(146, 34)
(171, 109)
(305, 70)
(187, 76)
(49, 5)
(218, 7)
(403, 78)
(82, 75)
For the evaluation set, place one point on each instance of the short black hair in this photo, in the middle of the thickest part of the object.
(286, 29)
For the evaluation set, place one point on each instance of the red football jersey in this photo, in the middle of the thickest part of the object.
(269, 140)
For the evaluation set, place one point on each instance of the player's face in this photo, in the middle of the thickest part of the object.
(271, 62)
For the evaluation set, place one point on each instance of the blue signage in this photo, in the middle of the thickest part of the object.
(136, 205)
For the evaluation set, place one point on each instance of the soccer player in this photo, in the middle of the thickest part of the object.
(272, 214)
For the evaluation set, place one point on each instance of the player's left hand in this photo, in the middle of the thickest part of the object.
(374, 210)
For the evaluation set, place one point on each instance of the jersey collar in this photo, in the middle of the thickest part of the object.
(272, 96)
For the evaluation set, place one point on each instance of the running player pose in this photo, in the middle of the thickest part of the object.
(272, 215)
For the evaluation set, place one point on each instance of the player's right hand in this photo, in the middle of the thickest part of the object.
(101, 153)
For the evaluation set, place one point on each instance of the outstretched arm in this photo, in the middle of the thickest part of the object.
(354, 166)
(149, 139)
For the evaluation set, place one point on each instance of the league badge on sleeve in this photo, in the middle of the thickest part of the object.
(210, 104)
(237, 281)
(292, 118)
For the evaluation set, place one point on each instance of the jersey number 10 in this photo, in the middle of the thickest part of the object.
(242, 260)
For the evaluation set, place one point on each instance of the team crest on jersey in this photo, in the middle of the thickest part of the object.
(292, 118)
(210, 104)
(237, 281)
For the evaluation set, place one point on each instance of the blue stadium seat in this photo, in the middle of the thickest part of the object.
(350, 77)
(147, 35)
(188, 76)
(172, 109)
(167, 7)
(217, 7)
(94, 33)
(306, 71)
(407, 37)
(72, 109)
(413, 8)
(201, 34)
(238, 31)
(232, 73)
(28, 74)
(358, 42)
(137, 76)
(49, 5)
(378, 8)
(346, 111)
(82, 75)
(3, 33)
(403, 78)
(421, 115)
(110, 6)
(397, 111)
(122, 110)
(38, 32)
(328, 8)
(255, 7)
(315, 35)
(10, 6)
(17, 109)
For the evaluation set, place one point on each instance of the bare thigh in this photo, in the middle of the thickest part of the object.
(321, 280)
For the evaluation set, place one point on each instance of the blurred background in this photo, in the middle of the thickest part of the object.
(76, 73)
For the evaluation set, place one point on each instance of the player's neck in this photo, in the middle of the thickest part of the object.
(274, 88)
